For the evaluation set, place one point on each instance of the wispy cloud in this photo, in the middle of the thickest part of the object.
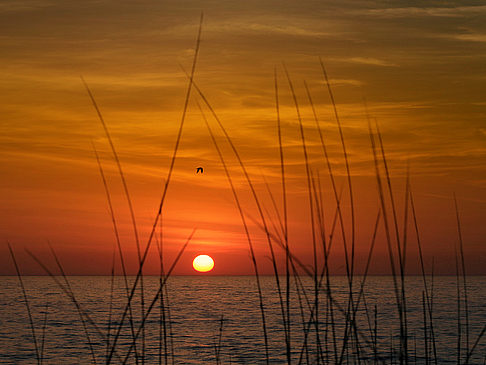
(269, 22)
(472, 37)
(343, 82)
(274, 26)
(458, 11)
(369, 61)
(7, 6)
(284, 29)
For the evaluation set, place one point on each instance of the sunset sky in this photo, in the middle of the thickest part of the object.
(420, 66)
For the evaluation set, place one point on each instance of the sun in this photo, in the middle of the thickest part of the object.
(203, 263)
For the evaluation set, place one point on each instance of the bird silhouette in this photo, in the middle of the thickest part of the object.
(199, 169)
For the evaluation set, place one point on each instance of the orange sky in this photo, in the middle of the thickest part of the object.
(420, 69)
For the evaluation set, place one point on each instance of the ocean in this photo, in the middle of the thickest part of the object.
(217, 319)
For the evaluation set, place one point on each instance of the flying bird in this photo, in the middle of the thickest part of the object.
(199, 170)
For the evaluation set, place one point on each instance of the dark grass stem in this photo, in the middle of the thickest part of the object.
(285, 215)
(78, 306)
(301, 310)
(403, 354)
(167, 181)
(43, 336)
(110, 310)
(345, 313)
(27, 305)
(426, 339)
(385, 219)
(280, 231)
(424, 276)
(220, 339)
(348, 171)
(254, 195)
(480, 336)
(381, 194)
(73, 299)
(458, 300)
(333, 184)
(317, 196)
(247, 233)
(350, 261)
(405, 217)
(156, 298)
(464, 275)
(129, 202)
(118, 242)
(311, 204)
(432, 276)
(169, 327)
(117, 160)
(375, 337)
(163, 340)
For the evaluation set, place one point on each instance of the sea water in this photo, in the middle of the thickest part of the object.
(210, 319)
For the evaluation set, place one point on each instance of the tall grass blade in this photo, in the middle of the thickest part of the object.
(285, 217)
(127, 195)
(169, 175)
(247, 233)
(386, 224)
(155, 298)
(459, 321)
(78, 307)
(348, 171)
(311, 205)
(118, 241)
(110, 309)
(220, 338)
(26, 300)
(43, 336)
(424, 278)
(463, 272)
(401, 259)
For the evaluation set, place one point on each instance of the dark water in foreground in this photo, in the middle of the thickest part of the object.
(197, 304)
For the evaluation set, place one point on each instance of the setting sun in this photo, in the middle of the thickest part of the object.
(203, 263)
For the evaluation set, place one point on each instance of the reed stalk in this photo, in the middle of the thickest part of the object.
(26, 301)
(247, 234)
(463, 273)
(118, 242)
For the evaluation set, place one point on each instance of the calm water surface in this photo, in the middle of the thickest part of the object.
(197, 304)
